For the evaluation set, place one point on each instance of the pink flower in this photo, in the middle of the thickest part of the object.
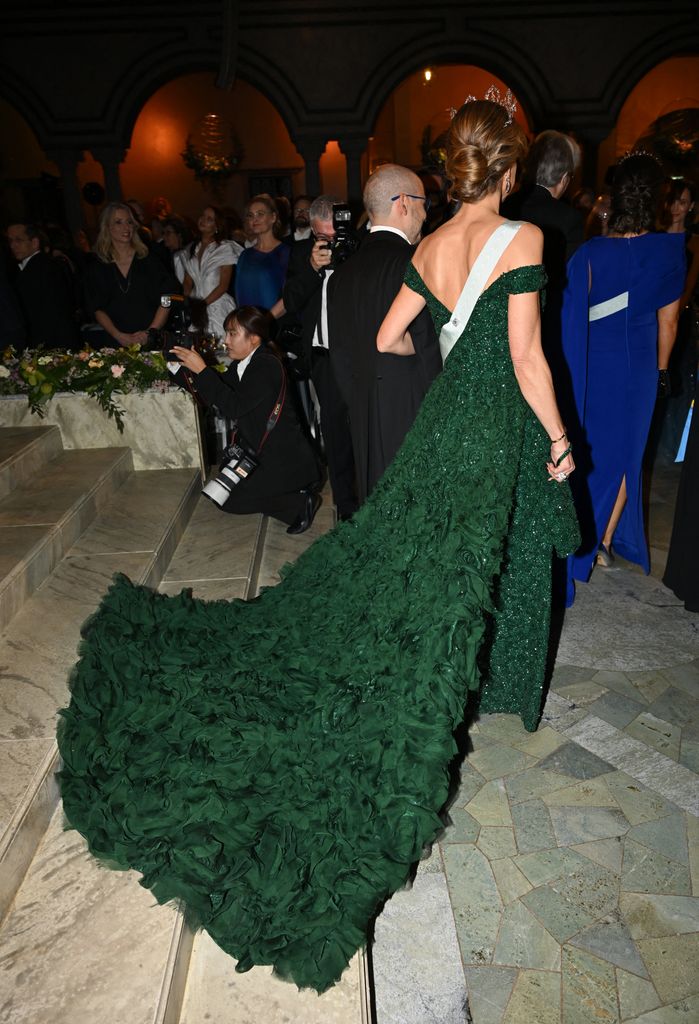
(84, 356)
(117, 370)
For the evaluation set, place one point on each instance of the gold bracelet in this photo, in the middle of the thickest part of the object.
(563, 437)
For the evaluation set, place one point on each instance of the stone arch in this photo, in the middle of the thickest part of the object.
(636, 65)
(151, 167)
(478, 48)
(145, 77)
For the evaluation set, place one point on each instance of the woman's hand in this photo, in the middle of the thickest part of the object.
(189, 358)
(561, 465)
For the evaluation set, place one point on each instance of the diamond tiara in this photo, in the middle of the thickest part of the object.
(495, 96)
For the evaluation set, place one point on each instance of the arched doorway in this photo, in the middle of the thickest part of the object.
(417, 112)
(154, 167)
(671, 85)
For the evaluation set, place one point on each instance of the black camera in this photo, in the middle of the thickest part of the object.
(237, 465)
(345, 242)
(177, 331)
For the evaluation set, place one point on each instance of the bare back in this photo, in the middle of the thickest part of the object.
(445, 259)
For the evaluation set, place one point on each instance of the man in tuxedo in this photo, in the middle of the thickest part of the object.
(45, 290)
(305, 300)
(383, 392)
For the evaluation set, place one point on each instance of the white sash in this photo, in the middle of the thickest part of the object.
(475, 283)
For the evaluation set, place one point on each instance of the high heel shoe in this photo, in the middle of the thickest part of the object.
(604, 557)
(303, 522)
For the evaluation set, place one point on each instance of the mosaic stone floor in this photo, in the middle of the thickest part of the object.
(566, 888)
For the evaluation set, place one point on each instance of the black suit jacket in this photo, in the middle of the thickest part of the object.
(47, 297)
(302, 294)
(563, 228)
(287, 461)
(383, 392)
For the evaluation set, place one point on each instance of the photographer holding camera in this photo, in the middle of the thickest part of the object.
(311, 263)
(270, 466)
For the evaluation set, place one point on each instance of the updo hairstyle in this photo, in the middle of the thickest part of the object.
(635, 195)
(481, 145)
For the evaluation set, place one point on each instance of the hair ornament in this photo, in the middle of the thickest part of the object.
(639, 152)
(494, 95)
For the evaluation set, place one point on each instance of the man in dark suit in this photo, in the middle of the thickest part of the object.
(550, 167)
(551, 164)
(45, 290)
(305, 300)
(383, 392)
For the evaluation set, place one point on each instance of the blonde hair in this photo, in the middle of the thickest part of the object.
(104, 246)
(265, 199)
(482, 143)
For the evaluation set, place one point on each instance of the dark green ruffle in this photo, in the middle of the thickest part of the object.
(277, 766)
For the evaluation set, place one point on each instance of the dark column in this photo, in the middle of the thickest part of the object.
(110, 157)
(353, 148)
(311, 150)
(68, 160)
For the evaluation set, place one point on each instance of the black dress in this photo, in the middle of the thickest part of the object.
(130, 302)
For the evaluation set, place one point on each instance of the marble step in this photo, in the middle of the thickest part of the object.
(214, 991)
(46, 513)
(83, 944)
(112, 954)
(136, 534)
(23, 452)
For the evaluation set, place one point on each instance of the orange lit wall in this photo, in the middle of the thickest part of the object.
(153, 166)
(333, 171)
(672, 85)
(416, 104)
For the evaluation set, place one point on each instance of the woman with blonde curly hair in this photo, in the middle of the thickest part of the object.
(124, 284)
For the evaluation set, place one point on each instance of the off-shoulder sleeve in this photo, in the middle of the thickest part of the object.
(415, 282)
(525, 279)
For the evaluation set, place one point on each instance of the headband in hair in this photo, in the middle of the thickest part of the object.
(493, 94)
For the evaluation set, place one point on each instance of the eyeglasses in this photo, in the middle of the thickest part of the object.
(423, 199)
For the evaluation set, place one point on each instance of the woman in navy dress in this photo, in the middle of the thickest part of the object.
(619, 323)
(262, 268)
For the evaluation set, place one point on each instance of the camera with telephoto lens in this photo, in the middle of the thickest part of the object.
(177, 331)
(344, 243)
(237, 465)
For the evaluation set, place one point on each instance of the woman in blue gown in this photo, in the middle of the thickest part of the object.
(619, 323)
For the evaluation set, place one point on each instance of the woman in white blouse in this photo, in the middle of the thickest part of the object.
(208, 265)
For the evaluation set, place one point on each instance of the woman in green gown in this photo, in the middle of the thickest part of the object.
(277, 766)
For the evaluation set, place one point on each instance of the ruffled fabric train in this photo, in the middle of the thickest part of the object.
(277, 766)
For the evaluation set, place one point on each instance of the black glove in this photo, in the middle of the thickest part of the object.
(663, 384)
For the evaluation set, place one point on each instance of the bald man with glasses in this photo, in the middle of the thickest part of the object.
(383, 392)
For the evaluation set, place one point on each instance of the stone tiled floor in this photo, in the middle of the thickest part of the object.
(572, 858)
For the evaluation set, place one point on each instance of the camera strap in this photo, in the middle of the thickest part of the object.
(274, 415)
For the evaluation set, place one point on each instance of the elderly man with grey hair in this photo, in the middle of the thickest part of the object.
(383, 392)
(551, 165)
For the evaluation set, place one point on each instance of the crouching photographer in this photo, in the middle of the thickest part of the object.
(269, 466)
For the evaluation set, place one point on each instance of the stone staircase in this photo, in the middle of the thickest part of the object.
(80, 944)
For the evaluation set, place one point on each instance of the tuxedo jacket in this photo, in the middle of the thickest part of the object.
(383, 392)
(47, 297)
(287, 461)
